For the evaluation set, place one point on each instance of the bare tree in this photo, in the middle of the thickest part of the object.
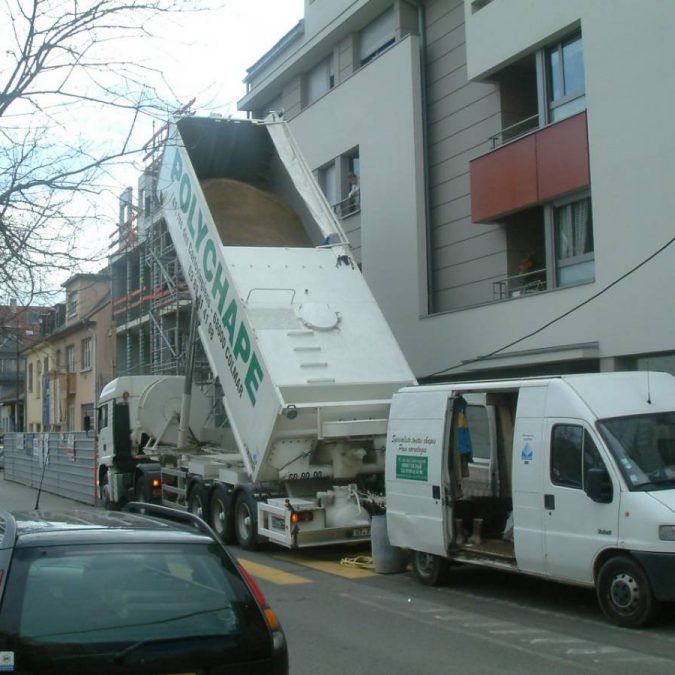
(71, 97)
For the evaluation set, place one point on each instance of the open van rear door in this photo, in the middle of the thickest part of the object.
(417, 438)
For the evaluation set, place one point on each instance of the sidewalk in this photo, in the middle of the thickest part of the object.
(14, 496)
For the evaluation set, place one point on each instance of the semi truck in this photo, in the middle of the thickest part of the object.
(568, 478)
(302, 358)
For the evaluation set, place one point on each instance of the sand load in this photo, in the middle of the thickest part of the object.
(247, 216)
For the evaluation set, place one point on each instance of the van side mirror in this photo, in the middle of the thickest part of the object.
(598, 486)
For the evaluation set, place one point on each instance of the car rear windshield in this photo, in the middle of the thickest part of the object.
(115, 601)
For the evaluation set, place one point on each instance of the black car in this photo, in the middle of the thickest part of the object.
(119, 592)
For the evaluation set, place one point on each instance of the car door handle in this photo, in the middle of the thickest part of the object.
(549, 502)
(435, 491)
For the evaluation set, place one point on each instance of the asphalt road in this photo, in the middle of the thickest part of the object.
(348, 620)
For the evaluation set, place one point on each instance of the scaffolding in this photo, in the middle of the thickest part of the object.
(151, 301)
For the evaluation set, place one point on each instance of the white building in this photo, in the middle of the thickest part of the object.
(513, 157)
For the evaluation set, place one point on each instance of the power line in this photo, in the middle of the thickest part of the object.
(561, 316)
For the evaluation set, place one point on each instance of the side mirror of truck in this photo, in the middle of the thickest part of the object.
(598, 486)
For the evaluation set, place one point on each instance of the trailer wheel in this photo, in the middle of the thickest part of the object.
(220, 515)
(430, 569)
(624, 594)
(197, 502)
(246, 521)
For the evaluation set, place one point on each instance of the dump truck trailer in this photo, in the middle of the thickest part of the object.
(302, 358)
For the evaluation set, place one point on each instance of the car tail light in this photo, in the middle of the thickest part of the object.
(156, 483)
(270, 615)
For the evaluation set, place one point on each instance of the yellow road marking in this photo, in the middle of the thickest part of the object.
(329, 567)
(271, 574)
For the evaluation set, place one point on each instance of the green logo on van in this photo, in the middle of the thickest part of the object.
(412, 468)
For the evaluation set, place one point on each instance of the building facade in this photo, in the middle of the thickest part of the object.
(72, 360)
(512, 214)
(19, 326)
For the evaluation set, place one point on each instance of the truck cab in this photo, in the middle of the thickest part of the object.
(570, 478)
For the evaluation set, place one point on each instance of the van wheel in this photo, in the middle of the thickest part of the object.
(246, 521)
(624, 593)
(430, 569)
(220, 515)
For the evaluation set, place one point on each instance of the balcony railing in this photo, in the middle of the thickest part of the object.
(519, 285)
(348, 206)
(515, 130)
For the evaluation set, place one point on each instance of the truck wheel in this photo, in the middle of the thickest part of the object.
(220, 515)
(430, 569)
(624, 594)
(197, 503)
(246, 521)
(141, 491)
(104, 494)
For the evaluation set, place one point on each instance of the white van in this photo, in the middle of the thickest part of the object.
(570, 478)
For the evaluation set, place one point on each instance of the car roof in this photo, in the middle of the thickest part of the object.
(39, 528)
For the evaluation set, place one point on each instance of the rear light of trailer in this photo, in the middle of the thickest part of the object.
(301, 516)
(156, 483)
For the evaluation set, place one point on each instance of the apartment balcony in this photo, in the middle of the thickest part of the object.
(536, 168)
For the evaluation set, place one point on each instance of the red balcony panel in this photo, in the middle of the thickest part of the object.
(531, 170)
(504, 180)
(562, 158)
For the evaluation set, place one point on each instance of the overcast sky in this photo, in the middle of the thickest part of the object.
(206, 55)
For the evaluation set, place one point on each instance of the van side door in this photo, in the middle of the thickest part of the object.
(576, 527)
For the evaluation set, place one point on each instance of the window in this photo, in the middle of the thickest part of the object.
(319, 80)
(377, 36)
(58, 359)
(566, 79)
(573, 225)
(70, 359)
(328, 182)
(30, 378)
(72, 303)
(87, 416)
(38, 379)
(573, 453)
(479, 426)
(86, 354)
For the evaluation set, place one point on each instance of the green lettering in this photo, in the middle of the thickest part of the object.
(230, 319)
(254, 376)
(219, 289)
(209, 252)
(177, 168)
(193, 203)
(185, 193)
(201, 231)
(242, 347)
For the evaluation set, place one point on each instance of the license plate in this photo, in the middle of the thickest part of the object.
(361, 532)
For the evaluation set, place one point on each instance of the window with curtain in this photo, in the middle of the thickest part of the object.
(573, 224)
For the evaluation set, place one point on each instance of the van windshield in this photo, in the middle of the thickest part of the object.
(644, 449)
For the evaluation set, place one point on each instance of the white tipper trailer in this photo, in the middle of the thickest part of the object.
(299, 350)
